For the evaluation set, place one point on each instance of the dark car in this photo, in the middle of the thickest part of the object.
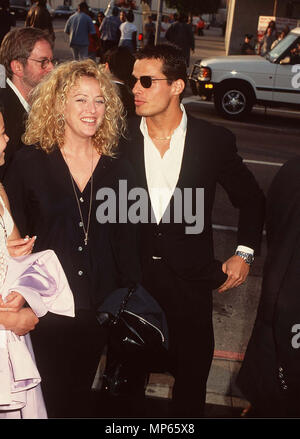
(63, 12)
(20, 8)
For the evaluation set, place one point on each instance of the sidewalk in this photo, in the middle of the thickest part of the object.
(210, 44)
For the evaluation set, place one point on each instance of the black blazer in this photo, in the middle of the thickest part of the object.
(210, 157)
(14, 119)
(270, 345)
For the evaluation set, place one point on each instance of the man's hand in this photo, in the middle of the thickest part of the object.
(21, 322)
(237, 270)
(20, 247)
(14, 302)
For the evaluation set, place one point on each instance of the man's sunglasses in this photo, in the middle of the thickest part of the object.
(146, 81)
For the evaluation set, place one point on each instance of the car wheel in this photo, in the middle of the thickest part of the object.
(233, 101)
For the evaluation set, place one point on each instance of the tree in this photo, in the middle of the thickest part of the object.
(194, 7)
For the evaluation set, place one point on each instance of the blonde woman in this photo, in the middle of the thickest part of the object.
(73, 129)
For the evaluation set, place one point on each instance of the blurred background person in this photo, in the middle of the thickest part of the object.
(281, 36)
(128, 33)
(181, 34)
(79, 27)
(247, 48)
(164, 26)
(119, 62)
(109, 29)
(7, 20)
(94, 41)
(39, 16)
(270, 35)
(73, 129)
(149, 32)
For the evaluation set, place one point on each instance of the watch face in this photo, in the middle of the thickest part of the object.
(248, 258)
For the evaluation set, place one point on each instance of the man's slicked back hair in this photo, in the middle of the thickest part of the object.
(173, 60)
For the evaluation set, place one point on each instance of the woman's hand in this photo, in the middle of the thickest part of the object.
(14, 302)
(20, 247)
(20, 323)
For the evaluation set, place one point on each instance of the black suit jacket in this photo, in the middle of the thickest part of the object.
(210, 157)
(271, 345)
(14, 119)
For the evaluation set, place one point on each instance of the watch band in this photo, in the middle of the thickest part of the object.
(248, 257)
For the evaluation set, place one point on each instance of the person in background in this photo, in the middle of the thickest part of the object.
(38, 16)
(200, 27)
(119, 62)
(247, 48)
(73, 128)
(27, 56)
(100, 51)
(149, 31)
(79, 26)
(122, 16)
(164, 26)
(181, 34)
(109, 30)
(269, 376)
(100, 18)
(264, 45)
(281, 36)
(128, 33)
(7, 20)
(94, 43)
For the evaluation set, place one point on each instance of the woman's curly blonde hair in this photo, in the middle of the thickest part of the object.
(45, 126)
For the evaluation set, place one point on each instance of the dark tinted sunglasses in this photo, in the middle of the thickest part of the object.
(146, 81)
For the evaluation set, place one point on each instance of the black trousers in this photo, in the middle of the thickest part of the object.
(188, 309)
(67, 352)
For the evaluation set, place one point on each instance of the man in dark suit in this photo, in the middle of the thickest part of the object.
(119, 62)
(179, 160)
(26, 54)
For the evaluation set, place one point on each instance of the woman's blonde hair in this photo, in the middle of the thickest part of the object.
(45, 126)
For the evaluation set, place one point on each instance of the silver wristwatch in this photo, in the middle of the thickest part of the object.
(248, 257)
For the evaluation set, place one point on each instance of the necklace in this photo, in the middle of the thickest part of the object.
(87, 227)
(162, 138)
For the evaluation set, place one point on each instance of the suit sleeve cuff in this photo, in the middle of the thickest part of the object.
(243, 248)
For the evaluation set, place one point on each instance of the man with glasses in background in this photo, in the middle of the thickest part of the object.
(172, 152)
(26, 54)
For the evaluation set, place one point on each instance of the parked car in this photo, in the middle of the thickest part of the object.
(63, 11)
(237, 82)
(20, 8)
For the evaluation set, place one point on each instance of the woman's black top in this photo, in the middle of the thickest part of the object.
(43, 203)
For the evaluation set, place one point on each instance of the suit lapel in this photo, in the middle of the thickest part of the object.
(190, 160)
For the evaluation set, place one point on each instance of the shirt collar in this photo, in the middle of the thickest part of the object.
(181, 129)
(21, 99)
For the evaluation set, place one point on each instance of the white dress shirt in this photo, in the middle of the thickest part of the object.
(162, 173)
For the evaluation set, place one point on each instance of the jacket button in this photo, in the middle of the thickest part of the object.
(80, 273)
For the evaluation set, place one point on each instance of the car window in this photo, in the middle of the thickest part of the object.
(281, 47)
